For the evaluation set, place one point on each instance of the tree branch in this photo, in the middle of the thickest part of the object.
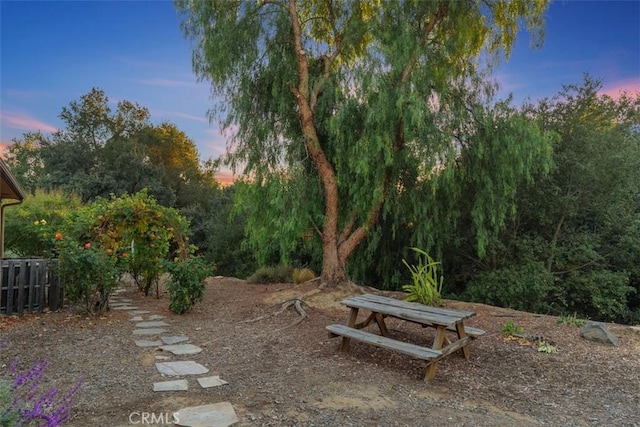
(348, 228)
(349, 243)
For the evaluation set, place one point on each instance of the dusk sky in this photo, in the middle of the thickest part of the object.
(53, 52)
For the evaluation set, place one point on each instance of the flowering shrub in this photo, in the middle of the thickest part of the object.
(31, 226)
(23, 402)
(100, 241)
(89, 273)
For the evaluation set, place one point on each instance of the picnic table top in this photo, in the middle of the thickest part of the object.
(411, 311)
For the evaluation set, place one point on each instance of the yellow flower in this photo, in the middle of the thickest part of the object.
(43, 222)
(36, 222)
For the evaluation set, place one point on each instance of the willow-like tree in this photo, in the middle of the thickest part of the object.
(341, 107)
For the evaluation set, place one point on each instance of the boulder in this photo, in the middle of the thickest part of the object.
(597, 332)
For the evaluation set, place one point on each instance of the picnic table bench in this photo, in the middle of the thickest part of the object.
(381, 307)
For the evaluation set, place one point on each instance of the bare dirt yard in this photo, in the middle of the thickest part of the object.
(285, 374)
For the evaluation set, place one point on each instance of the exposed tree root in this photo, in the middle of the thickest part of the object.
(296, 303)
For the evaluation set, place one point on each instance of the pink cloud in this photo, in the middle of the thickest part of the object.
(24, 122)
(615, 89)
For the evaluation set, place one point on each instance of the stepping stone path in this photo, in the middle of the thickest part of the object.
(219, 414)
(181, 349)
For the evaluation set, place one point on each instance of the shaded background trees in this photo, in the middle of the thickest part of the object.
(101, 152)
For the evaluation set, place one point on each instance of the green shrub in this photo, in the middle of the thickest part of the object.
(186, 286)
(511, 329)
(598, 295)
(427, 284)
(572, 320)
(273, 274)
(30, 227)
(89, 273)
(301, 275)
(521, 287)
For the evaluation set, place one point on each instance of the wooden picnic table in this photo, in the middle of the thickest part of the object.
(380, 307)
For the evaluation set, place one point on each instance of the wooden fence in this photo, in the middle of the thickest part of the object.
(29, 285)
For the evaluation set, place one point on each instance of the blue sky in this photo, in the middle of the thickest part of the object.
(53, 52)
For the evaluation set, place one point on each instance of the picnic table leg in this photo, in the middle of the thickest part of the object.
(441, 334)
(461, 334)
(381, 324)
(352, 323)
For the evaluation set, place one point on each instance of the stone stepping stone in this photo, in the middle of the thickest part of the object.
(149, 331)
(129, 300)
(147, 343)
(174, 340)
(215, 415)
(181, 349)
(113, 305)
(208, 382)
(125, 307)
(136, 319)
(156, 317)
(177, 385)
(181, 368)
(163, 358)
(138, 312)
(117, 291)
(153, 324)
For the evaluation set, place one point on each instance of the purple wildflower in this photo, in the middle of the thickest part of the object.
(35, 406)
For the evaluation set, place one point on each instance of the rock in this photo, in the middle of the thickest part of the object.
(181, 349)
(153, 324)
(181, 368)
(174, 340)
(149, 331)
(148, 343)
(208, 382)
(597, 332)
(177, 385)
(215, 415)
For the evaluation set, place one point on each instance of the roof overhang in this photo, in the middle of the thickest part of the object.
(9, 187)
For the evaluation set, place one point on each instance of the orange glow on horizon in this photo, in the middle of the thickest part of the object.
(225, 178)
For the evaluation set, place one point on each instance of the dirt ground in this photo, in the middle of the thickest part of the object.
(286, 374)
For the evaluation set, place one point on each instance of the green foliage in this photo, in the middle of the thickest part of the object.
(573, 243)
(511, 329)
(89, 273)
(220, 235)
(301, 275)
(344, 115)
(30, 227)
(545, 347)
(9, 415)
(132, 231)
(273, 274)
(186, 286)
(103, 151)
(572, 320)
(521, 287)
(427, 284)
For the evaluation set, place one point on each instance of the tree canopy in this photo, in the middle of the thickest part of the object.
(347, 113)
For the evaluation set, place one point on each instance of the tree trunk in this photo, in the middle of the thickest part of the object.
(333, 268)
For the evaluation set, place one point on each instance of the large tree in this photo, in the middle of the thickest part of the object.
(574, 243)
(349, 105)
